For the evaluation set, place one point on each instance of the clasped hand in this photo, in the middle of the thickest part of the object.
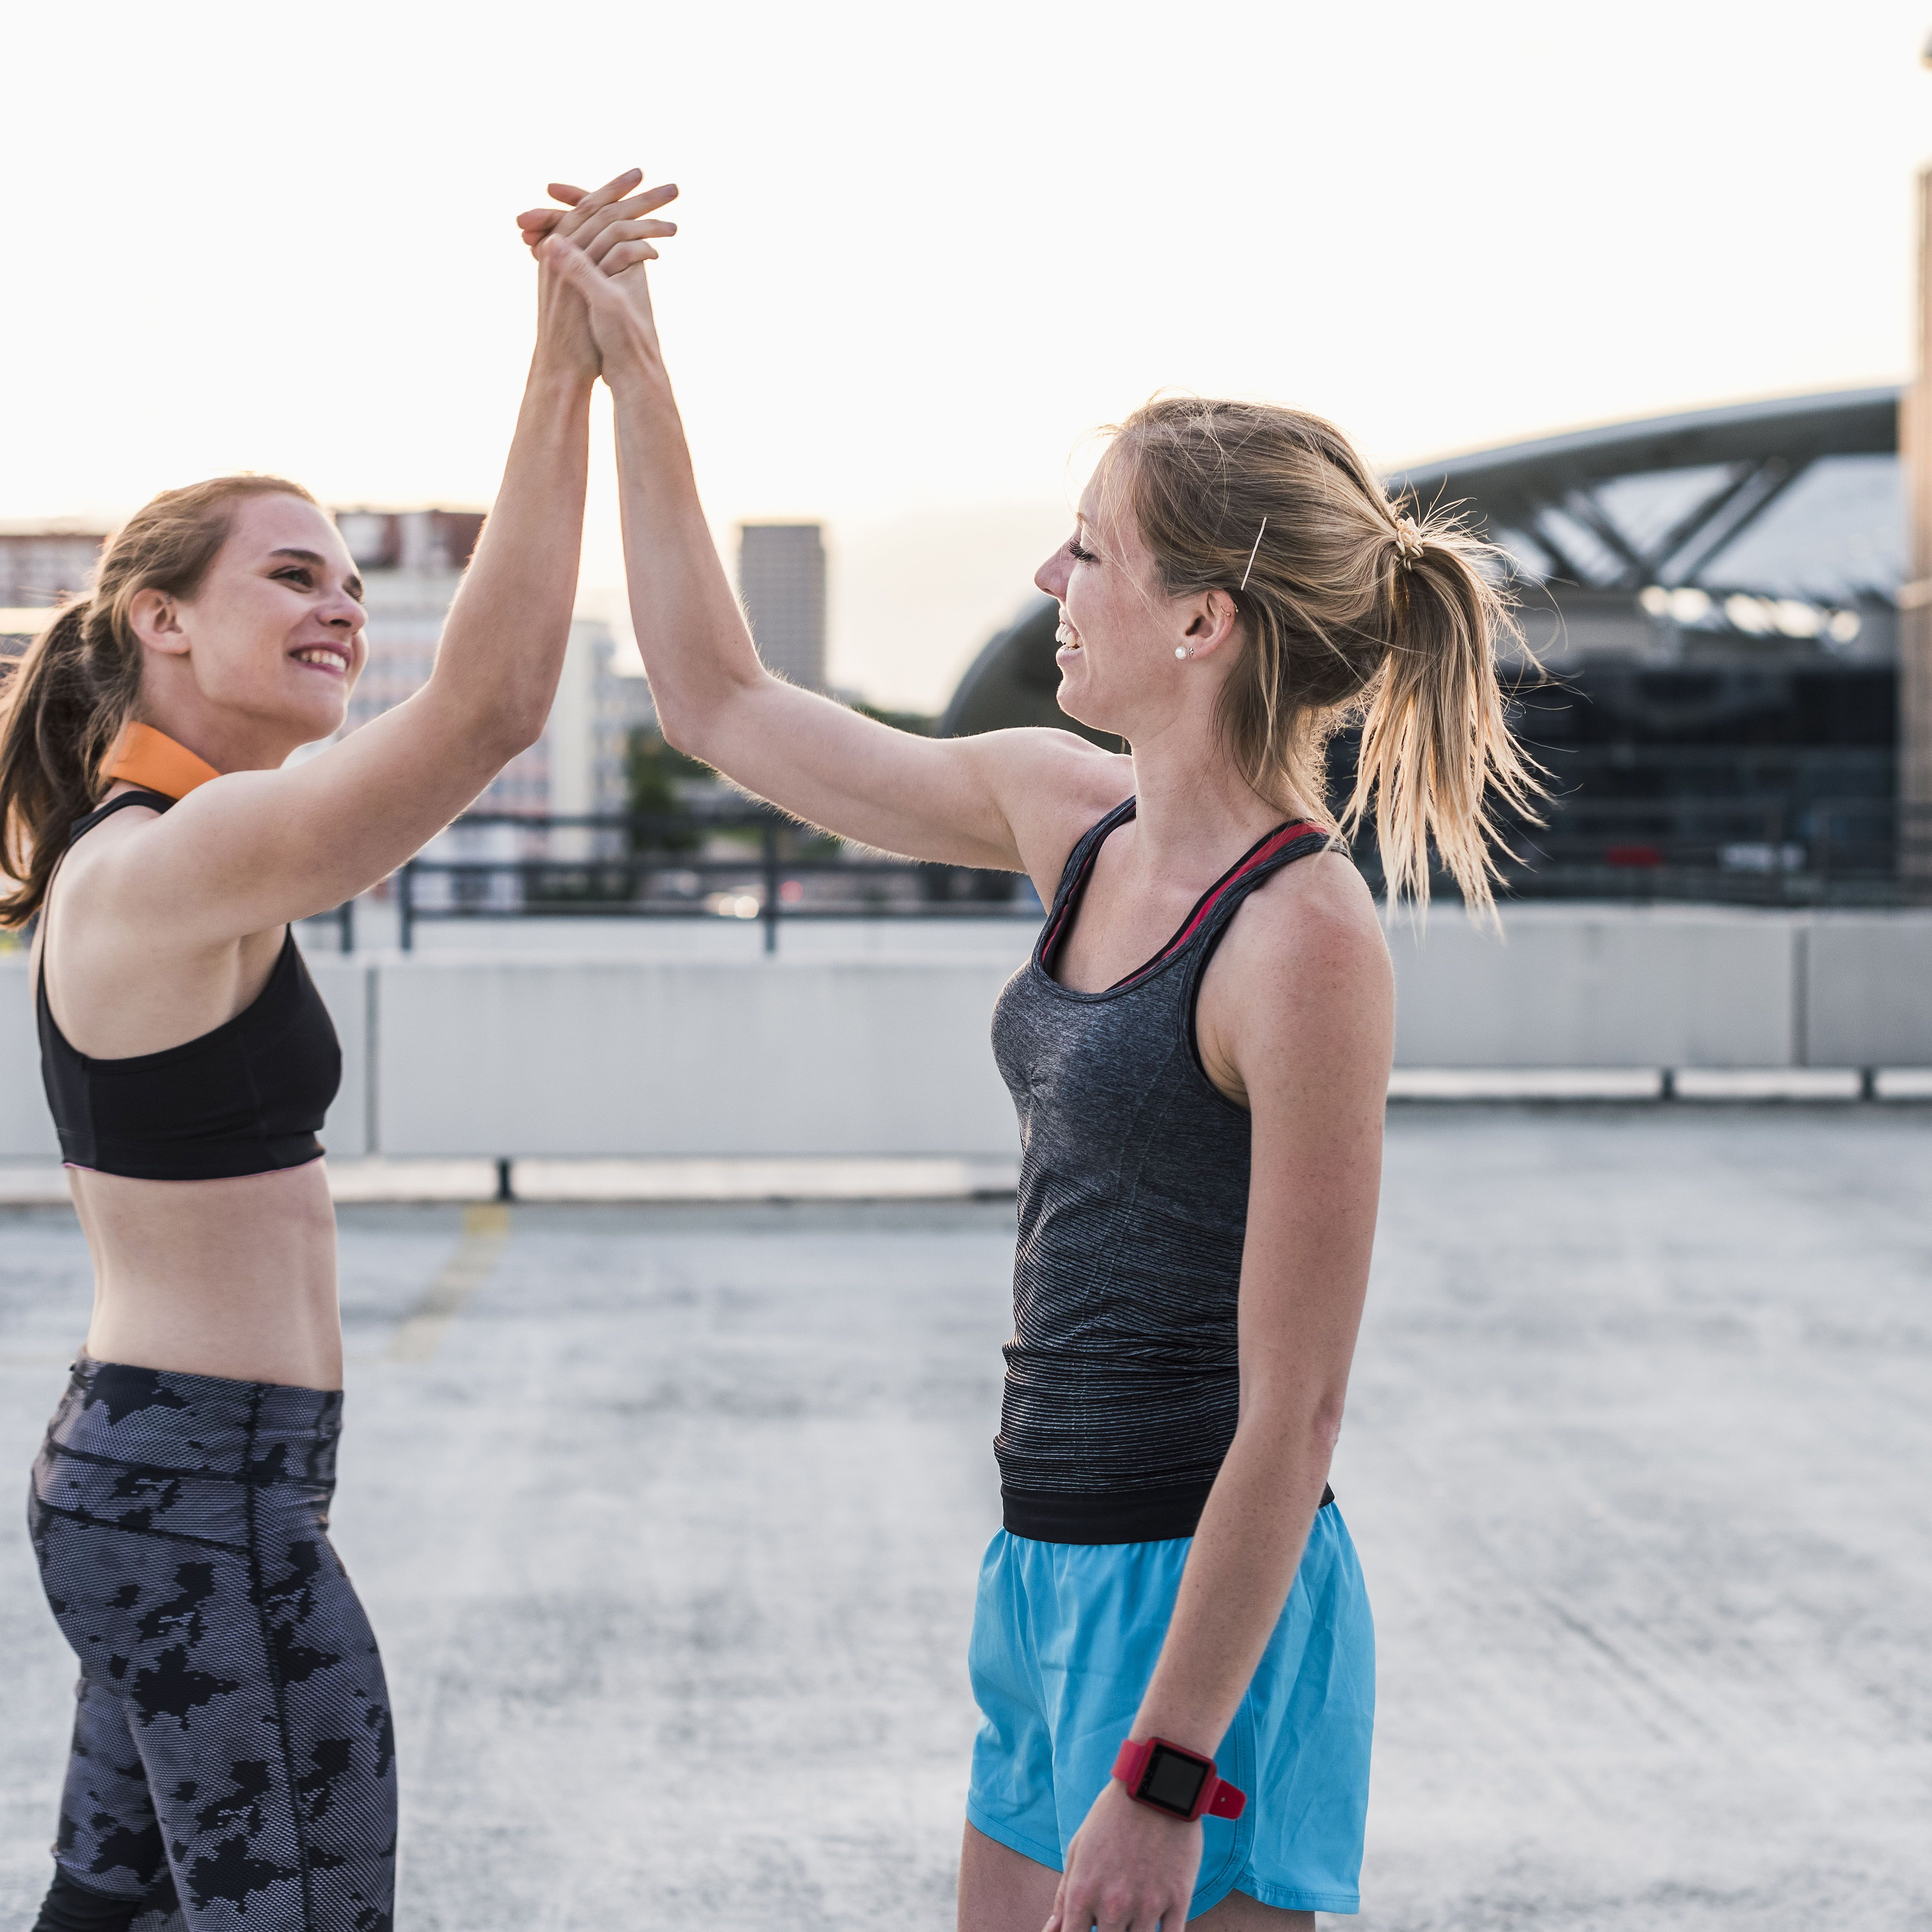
(593, 303)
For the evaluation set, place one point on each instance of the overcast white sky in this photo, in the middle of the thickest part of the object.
(926, 248)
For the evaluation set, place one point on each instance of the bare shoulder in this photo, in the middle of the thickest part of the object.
(1052, 785)
(104, 903)
(1299, 1002)
(141, 854)
(1309, 937)
(152, 878)
(116, 853)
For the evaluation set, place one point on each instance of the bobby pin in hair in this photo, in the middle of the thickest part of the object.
(1253, 554)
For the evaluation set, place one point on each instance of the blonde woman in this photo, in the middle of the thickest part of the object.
(233, 1755)
(1172, 1650)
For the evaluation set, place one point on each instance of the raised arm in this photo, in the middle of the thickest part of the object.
(255, 848)
(1014, 800)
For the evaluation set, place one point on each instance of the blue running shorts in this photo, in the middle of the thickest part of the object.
(1065, 1638)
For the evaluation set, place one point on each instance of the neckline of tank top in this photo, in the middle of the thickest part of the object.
(1265, 848)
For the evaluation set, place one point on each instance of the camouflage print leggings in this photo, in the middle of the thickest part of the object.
(233, 1761)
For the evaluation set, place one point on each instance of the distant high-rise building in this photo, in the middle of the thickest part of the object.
(781, 580)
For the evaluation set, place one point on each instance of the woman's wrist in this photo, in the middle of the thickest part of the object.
(638, 374)
(1191, 1728)
(557, 375)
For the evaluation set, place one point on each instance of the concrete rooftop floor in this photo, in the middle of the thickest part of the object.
(1637, 1459)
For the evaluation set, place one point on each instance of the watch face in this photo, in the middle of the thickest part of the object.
(1173, 1782)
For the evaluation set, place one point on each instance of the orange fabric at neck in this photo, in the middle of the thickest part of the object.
(152, 759)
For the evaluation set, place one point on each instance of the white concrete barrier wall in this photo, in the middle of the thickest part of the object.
(1868, 990)
(773, 1056)
(26, 1132)
(349, 990)
(468, 1054)
(1585, 986)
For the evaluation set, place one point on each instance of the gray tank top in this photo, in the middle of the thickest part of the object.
(1123, 1375)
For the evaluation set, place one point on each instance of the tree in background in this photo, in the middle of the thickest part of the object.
(654, 773)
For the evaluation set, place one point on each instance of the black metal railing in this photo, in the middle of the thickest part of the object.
(679, 867)
(1764, 849)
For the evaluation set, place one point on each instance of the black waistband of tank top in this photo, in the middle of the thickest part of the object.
(1127, 1515)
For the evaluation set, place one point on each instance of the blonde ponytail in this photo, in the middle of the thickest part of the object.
(1435, 743)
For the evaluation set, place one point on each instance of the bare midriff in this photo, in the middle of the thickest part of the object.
(234, 1277)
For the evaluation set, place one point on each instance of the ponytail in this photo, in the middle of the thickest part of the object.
(1435, 745)
(1349, 612)
(64, 707)
(80, 681)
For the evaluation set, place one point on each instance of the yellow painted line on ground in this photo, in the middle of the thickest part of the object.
(486, 1227)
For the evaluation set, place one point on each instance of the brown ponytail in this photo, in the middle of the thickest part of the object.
(1350, 611)
(80, 681)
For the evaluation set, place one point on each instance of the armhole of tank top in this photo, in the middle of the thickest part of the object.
(157, 802)
(1222, 918)
(1073, 879)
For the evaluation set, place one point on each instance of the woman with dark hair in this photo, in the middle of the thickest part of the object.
(233, 1757)
(1172, 1651)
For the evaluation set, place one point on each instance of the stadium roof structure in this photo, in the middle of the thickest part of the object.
(1799, 497)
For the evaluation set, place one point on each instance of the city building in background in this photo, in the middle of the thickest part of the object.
(782, 584)
(41, 566)
(45, 563)
(412, 562)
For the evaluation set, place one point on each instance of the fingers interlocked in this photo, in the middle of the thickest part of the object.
(612, 226)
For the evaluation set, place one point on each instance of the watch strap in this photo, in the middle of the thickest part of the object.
(1229, 1801)
(1218, 1797)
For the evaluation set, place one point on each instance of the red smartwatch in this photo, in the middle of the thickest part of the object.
(1181, 1782)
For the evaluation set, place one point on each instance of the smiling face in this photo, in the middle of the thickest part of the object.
(1118, 628)
(271, 639)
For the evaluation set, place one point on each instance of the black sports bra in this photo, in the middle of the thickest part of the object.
(246, 1098)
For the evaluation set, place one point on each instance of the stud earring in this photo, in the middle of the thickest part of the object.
(1184, 650)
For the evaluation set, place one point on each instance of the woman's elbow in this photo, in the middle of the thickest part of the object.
(680, 729)
(515, 727)
(694, 725)
(499, 722)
